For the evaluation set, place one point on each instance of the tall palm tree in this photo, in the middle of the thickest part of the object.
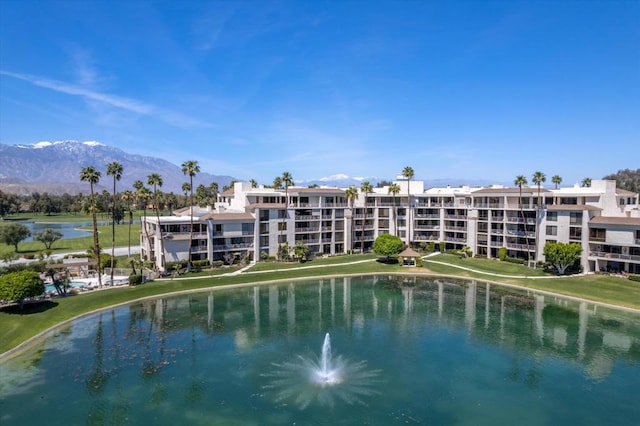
(91, 175)
(142, 196)
(155, 180)
(277, 182)
(557, 180)
(351, 194)
(114, 169)
(408, 173)
(366, 188)
(190, 168)
(128, 197)
(586, 182)
(538, 178)
(254, 183)
(287, 180)
(519, 181)
(394, 189)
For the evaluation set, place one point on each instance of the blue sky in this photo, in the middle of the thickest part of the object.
(467, 90)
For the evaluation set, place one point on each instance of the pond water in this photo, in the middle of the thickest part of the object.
(68, 229)
(402, 351)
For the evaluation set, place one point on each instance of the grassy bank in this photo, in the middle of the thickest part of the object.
(79, 244)
(17, 326)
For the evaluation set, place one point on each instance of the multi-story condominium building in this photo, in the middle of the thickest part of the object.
(253, 223)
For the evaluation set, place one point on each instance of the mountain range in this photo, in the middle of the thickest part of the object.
(54, 167)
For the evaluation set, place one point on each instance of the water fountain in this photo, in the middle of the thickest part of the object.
(322, 380)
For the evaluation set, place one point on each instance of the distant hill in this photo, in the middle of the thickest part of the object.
(54, 167)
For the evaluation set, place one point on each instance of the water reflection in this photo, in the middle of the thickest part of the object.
(247, 356)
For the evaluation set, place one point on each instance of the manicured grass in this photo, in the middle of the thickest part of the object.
(493, 266)
(333, 260)
(17, 326)
(82, 243)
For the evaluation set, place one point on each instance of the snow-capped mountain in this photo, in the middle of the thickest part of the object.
(55, 167)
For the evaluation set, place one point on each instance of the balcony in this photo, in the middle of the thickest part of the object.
(306, 217)
(619, 256)
(307, 228)
(455, 228)
(455, 216)
(455, 239)
(228, 247)
(426, 227)
(528, 221)
(521, 247)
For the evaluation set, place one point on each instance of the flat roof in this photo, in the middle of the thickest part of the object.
(610, 220)
(525, 190)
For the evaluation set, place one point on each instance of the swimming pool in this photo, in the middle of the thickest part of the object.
(72, 284)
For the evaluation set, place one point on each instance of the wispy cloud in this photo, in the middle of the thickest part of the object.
(120, 102)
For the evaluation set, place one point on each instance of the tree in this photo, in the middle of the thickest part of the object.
(91, 175)
(114, 169)
(254, 183)
(18, 286)
(128, 198)
(538, 178)
(394, 189)
(586, 182)
(408, 173)
(562, 255)
(13, 233)
(186, 187)
(48, 236)
(155, 180)
(387, 245)
(300, 251)
(351, 194)
(625, 179)
(557, 180)
(287, 181)
(519, 181)
(190, 168)
(366, 189)
(277, 182)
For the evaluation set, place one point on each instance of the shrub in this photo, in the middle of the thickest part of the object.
(201, 263)
(217, 263)
(502, 253)
(442, 246)
(515, 260)
(29, 256)
(432, 246)
(135, 279)
(419, 261)
(634, 277)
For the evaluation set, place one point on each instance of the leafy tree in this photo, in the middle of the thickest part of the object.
(13, 233)
(586, 182)
(408, 173)
(387, 245)
(625, 179)
(190, 168)
(114, 169)
(91, 175)
(18, 286)
(366, 189)
(48, 236)
(556, 180)
(562, 255)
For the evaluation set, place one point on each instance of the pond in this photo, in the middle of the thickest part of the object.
(374, 350)
(68, 229)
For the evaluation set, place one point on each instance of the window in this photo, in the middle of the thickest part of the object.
(282, 226)
(575, 218)
(597, 234)
(575, 233)
(552, 216)
(552, 230)
(282, 214)
(282, 239)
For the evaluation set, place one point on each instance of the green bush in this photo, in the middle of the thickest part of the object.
(634, 277)
(174, 266)
(135, 279)
(442, 246)
(217, 263)
(419, 261)
(502, 253)
(432, 246)
(515, 260)
(201, 263)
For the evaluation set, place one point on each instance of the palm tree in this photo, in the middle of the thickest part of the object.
(155, 180)
(114, 169)
(519, 181)
(128, 197)
(557, 180)
(142, 196)
(366, 188)
(91, 175)
(277, 182)
(538, 178)
(408, 173)
(186, 187)
(351, 194)
(287, 180)
(190, 168)
(394, 189)
(254, 183)
(586, 182)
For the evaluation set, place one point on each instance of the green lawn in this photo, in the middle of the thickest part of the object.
(17, 326)
(80, 244)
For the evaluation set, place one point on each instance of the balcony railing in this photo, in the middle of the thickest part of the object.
(455, 228)
(524, 247)
(529, 221)
(455, 216)
(455, 239)
(307, 229)
(226, 247)
(600, 239)
(620, 256)
(426, 227)
(306, 217)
